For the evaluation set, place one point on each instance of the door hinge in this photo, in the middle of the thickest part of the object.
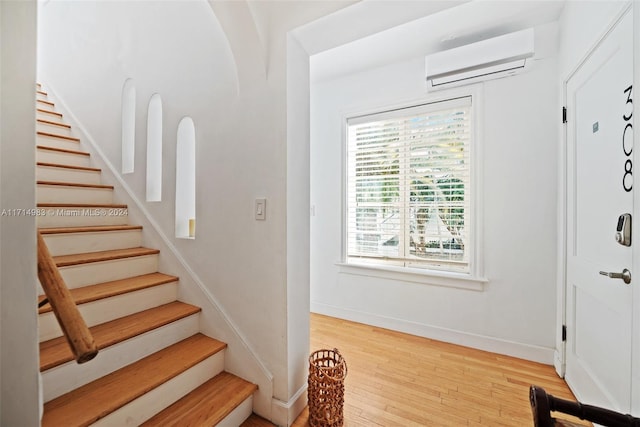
(564, 114)
(564, 333)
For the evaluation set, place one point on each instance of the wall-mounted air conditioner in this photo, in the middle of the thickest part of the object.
(487, 59)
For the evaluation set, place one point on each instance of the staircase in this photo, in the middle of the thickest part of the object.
(154, 367)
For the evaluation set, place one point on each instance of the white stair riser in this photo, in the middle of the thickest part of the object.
(69, 376)
(62, 194)
(75, 243)
(79, 275)
(41, 96)
(79, 176)
(45, 105)
(65, 144)
(238, 415)
(107, 309)
(58, 130)
(61, 158)
(147, 405)
(45, 115)
(81, 217)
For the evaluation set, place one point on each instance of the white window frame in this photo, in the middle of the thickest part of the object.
(473, 279)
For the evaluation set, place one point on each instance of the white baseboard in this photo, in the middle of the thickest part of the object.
(495, 345)
(285, 413)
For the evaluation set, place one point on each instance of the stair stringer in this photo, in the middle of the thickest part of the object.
(241, 357)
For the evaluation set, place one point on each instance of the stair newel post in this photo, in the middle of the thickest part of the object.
(71, 322)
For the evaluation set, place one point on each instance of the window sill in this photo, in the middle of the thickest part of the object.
(430, 277)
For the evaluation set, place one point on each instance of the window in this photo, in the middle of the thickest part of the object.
(154, 149)
(128, 126)
(408, 187)
(186, 180)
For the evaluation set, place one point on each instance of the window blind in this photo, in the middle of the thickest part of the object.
(408, 184)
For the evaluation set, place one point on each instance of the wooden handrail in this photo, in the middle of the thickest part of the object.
(71, 322)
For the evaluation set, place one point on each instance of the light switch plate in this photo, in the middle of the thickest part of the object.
(261, 209)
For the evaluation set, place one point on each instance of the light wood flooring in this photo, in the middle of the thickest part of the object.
(396, 379)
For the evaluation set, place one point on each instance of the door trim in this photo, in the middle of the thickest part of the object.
(635, 325)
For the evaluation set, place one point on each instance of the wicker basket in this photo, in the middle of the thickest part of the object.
(327, 370)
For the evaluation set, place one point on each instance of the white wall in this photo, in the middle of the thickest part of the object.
(298, 232)
(19, 405)
(515, 313)
(582, 24)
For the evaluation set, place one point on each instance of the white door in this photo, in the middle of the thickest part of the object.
(600, 181)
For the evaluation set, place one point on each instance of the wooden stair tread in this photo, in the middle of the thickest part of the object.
(40, 110)
(88, 229)
(82, 205)
(89, 257)
(62, 150)
(57, 351)
(55, 135)
(74, 184)
(42, 101)
(87, 404)
(57, 165)
(49, 122)
(99, 291)
(207, 405)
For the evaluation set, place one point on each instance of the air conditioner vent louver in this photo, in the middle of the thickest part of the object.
(485, 60)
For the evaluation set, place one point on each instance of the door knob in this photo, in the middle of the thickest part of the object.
(625, 275)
